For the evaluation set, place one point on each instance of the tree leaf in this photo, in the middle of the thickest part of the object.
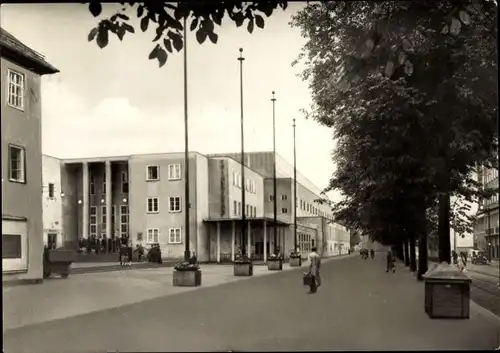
(408, 68)
(250, 26)
(167, 44)
(95, 8)
(176, 40)
(128, 28)
(445, 30)
(407, 46)
(123, 16)
(455, 26)
(238, 19)
(213, 37)
(120, 32)
(140, 11)
(92, 34)
(464, 17)
(194, 24)
(162, 56)
(201, 35)
(154, 52)
(159, 33)
(217, 16)
(402, 58)
(102, 37)
(144, 23)
(208, 25)
(259, 21)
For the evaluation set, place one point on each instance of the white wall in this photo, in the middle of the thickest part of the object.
(52, 206)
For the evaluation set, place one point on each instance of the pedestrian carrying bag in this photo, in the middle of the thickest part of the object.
(307, 279)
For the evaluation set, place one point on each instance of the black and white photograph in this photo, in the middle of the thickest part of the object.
(231, 176)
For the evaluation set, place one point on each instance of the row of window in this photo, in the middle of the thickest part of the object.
(250, 211)
(153, 172)
(305, 206)
(124, 219)
(124, 184)
(489, 175)
(250, 185)
(174, 204)
(491, 200)
(174, 236)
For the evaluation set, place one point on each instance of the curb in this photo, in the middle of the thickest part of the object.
(482, 311)
(100, 269)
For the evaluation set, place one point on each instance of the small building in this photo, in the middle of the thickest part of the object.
(22, 222)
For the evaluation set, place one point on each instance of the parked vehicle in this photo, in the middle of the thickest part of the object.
(479, 259)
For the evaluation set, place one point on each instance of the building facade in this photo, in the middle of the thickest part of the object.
(22, 223)
(143, 198)
(486, 227)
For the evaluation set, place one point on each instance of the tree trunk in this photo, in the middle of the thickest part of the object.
(444, 228)
(413, 255)
(407, 257)
(422, 256)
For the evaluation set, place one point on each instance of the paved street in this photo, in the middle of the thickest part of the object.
(358, 307)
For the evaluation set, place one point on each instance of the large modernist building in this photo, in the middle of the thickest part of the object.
(22, 244)
(142, 197)
(486, 228)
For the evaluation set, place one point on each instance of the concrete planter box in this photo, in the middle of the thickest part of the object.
(187, 278)
(58, 261)
(243, 269)
(295, 262)
(275, 264)
(447, 292)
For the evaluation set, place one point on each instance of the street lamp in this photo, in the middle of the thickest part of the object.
(79, 236)
(243, 184)
(294, 190)
(187, 252)
(275, 205)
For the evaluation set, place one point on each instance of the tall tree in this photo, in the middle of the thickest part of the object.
(430, 52)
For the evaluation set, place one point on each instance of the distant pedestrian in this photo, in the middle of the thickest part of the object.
(390, 262)
(372, 253)
(314, 267)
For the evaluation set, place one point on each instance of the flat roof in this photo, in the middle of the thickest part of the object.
(250, 219)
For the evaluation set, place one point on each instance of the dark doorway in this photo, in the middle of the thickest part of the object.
(52, 240)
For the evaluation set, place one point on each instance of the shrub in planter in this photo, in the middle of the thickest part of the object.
(275, 262)
(243, 266)
(295, 259)
(187, 274)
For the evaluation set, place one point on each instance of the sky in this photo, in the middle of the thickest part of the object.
(114, 101)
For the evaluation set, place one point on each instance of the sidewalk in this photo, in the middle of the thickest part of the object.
(358, 307)
(62, 298)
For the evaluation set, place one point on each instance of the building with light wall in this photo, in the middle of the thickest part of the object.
(22, 223)
(143, 197)
(486, 227)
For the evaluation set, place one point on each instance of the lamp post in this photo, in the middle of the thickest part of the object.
(187, 252)
(294, 190)
(243, 184)
(275, 205)
(79, 236)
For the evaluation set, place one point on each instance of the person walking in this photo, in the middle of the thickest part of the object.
(390, 262)
(314, 266)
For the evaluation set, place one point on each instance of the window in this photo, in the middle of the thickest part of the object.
(254, 187)
(284, 197)
(239, 208)
(175, 204)
(284, 210)
(11, 246)
(247, 184)
(51, 190)
(255, 211)
(152, 173)
(271, 197)
(153, 236)
(124, 182)
(235, 179)
(17, 164)
(174, 172)
(103, 215)
(247, 209)
(113, 216)
(104, 183)
(93, 221)
(239, 181)
(153, 205)
(92, 185)
(235, 206)
(174, 236)
(124, 221)
(15, 90)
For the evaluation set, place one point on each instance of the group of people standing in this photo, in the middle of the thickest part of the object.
(459, 260)
(101, 244)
